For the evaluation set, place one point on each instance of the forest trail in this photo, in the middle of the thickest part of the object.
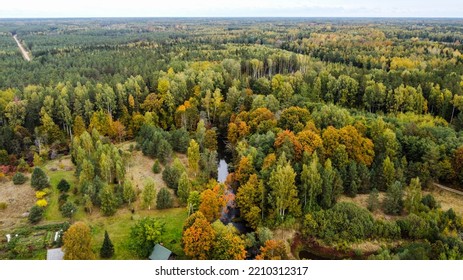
(448, 189)
(23, 51)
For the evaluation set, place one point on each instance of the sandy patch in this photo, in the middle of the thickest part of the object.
(19, 199)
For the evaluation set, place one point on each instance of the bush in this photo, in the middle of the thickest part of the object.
(68, 209)
(344, 222)
(40, 194)
(164, 199)
(429, 201)
(373, 200)
(63, 197)
(171, 176)
(41, 203)
(35, 214)
(19, 178)
(39, 179)
(156, 167)
(23, 166)
(63, 186)
(3, 205)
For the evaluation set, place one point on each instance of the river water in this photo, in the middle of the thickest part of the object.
(230, 213)
(222, 171)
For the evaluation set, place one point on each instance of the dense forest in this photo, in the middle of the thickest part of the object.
(339, 134)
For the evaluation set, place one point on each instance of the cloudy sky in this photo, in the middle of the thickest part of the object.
(231, 8)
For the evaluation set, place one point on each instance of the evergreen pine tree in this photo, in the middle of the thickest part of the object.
(39, 179)
(107, 250)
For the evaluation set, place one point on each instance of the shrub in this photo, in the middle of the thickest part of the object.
(23, 166)
(3, 205)
(63, 186)
(164, 199)
(39, 179)
(35, 214)
(40, 194)
(156, 167)
(68, 209)
(42, 203)
(429, 201)
(170, 176)
(63, 198)
(19, 178)
(344, 222)
(373, 200)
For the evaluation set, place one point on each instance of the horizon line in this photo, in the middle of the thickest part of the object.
(236, 17)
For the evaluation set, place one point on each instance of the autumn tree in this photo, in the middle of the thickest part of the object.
(310, 141)
(250, 200)
(212, 203)
(128, 192)
(244, 170)
(77, 243)
(227, 245)
(146, 233)
(413, 195)
(237, 130)
(273, 250)
(184, 188)
(118, 131)
(193, 156)
(262, 120)
(294, 119)
(79, 126)
(198, 239)
(108, 200)
(286, 142)
(210, 140)
(387, 174)
(148, 195)
(311, 183)
(283, 189)
(359, 148)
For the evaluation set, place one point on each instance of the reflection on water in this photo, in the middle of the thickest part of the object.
(222, 171)
(306, 255)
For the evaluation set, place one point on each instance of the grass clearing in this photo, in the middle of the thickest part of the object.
(447, 199)
(118, 228)
(52, 212)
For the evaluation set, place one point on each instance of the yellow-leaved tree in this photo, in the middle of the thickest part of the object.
(77, 243)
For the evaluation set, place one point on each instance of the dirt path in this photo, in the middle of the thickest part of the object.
(447, 189)
(23, 51)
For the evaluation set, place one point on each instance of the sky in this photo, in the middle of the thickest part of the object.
(230, 8)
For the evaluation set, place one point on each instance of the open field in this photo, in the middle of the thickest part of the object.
(19, 198)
